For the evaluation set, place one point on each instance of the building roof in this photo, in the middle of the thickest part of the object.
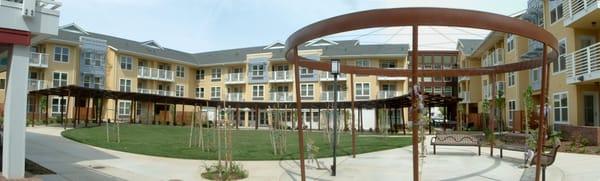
(468, 46)
(345, 48)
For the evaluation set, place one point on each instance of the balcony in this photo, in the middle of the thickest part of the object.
(391, 78)
(155, 74)
(464, 95)
(144, 91)
(235, 78)
(235, 96)
(464, 78)
(326, 76)
(280, 76)
(584, 64)
(328, 96)
(281, 97)
(580, 13)
(40, 17)
(34, 84)
(163, 93)
(38, 60)
(387, 94)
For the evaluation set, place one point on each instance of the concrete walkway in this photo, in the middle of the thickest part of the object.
(75, 161)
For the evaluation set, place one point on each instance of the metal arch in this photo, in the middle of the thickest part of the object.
(420, 17)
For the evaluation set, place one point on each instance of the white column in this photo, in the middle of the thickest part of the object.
(13, 155)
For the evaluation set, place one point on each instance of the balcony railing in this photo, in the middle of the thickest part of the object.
(34, 84)
(280, 76)
(464, 78)
(326, 76)
(576, 9)
(583, 64)
(464, 95)
(155, 74)
(144, 91)
(38, 60)
(387, 94)
(163, 92)
(234, 78)
(281, 96)
(237, 96)
(328, 96)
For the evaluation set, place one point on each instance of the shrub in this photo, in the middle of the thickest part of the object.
(220, 172)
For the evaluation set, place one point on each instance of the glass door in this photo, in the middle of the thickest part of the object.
(590, 108)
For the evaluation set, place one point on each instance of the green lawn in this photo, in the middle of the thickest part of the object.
(172, 141)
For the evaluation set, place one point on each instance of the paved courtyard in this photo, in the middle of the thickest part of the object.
(75, 161)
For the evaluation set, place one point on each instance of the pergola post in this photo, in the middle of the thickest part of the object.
(415, 111)
(311, 119)
(403, 121)
(116, 111)
(76, 112)
(493, 112)
(299, 113)
(430, 120)
(237, 119)
(47, 109)
(542, 116)
(353, 118)
(256, 117)
(360, 118)
(319, 124)
(87, 111)
(174, 121)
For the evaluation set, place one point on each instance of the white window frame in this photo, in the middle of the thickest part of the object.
(216, 74)
(562, 56)
(511, 78)
(179, 90)
(61, 106)
(199, 92)
(361, 89)
(179, 71)
(126, 62)
(555, 17)
(511, 110)
(306, 71)
(61, 54)
(214, 91)
(257, 70)
(307, 90)
(125, 85)
(560, 107)
(60, 80)
(124, 108)
(510, 43)
(258, 91)
(362, 63)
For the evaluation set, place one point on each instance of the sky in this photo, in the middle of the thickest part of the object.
(208, 25)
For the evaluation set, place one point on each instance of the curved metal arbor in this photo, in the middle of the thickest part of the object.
(416, 17)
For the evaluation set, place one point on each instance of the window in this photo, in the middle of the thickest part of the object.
(258, 91)
(307, 90)
(437, 90)
(124, 108)
(61, 54)
(388, 64)
(556, 11)
(98, 82)
(215, 92)
(124, 85)
(59, 79)
(512, 108)
(511, 78)
(59, 105)
(448, 91)
(535, 74)
(216, 74)
(306, 71)
(362, 89)
(510, 43)
(180, 71)
(2, 83)
(199, 92)
(87, 80)
(257, 70)
(199, 74)
(87, 58)
(362, 63)
(561, 64)
(125, 62)
(561, 109)
(179, 90)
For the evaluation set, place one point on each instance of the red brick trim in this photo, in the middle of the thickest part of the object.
(10, 36)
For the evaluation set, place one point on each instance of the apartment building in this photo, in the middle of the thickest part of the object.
(78, 57)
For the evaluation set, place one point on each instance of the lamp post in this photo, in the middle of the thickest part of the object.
(335, 70)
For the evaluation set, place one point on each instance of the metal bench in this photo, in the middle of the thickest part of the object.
(546, 160)
(512, 141)
(455, 140)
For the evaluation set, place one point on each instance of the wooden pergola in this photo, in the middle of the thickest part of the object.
(415, 17)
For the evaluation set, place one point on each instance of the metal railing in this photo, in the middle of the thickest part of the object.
(237, 96)
(34, 84)
(281, 76)
(234, 77)
(38, 60)
(464, 78)
(328, 96)
(163, 92)
(326, 76)
(572, 8)
(155, 74)
(387, 94)
(144, 91)
(281, 96)
(583, 62)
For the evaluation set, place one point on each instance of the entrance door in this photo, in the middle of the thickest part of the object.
(590, 108)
